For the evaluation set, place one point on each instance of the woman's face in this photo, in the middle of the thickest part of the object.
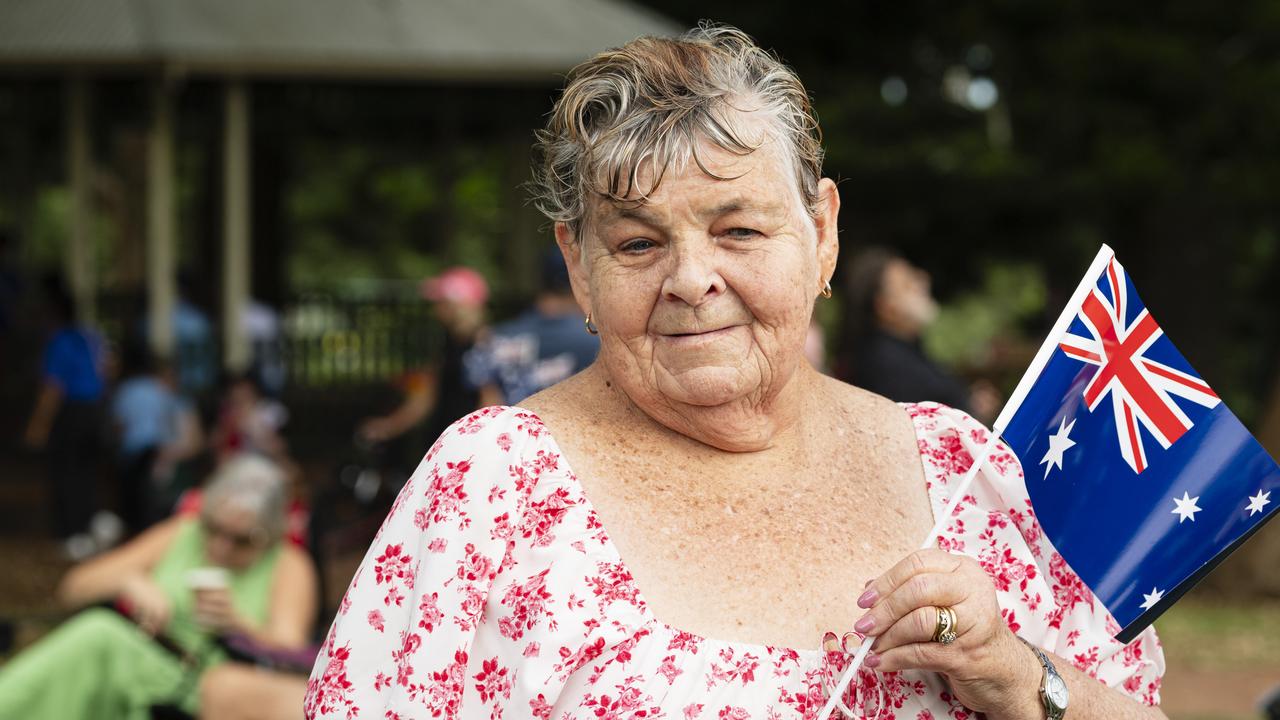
(233, 536)
(703, 293)
(905, 302)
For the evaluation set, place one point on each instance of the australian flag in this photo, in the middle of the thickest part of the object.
(1140, 475)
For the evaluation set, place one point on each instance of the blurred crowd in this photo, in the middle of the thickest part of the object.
(194, 591)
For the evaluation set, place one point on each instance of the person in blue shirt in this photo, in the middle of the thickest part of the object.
(156, 429)
(67, 418)
(542, 346)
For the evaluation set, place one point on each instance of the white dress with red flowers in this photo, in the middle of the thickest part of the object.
(492, 591)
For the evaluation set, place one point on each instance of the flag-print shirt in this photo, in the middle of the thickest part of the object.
(492, 591)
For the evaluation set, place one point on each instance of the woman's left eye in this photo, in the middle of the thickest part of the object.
(741, 232)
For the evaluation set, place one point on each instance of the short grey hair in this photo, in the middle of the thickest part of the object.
(251, 483)
(654, 99)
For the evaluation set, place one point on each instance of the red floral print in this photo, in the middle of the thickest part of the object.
(493, 591)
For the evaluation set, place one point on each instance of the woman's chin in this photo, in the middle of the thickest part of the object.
(706, 387)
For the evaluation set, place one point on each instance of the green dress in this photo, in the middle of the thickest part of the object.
(99, 665)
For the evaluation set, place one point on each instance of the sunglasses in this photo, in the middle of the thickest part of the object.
(238, 540)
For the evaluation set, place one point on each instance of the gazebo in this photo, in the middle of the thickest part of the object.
(235, 43)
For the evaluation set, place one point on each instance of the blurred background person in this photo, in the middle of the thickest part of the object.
(545, 344)
(435, 396)
(178, 587)
(890, 305)
(195, 353)
(249, 422)
(157, 428)
(66, 421)
(260, 323)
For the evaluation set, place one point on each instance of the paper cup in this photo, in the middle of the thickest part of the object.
(208, 578)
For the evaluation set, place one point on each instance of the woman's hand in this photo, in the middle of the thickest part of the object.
(987, 667)
(146, 603)
(215, 612)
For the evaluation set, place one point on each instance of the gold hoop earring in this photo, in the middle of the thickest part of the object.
(826, 289)
(591, 328)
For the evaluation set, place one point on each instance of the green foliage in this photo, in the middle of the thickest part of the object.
(367, 216)
(968, 327)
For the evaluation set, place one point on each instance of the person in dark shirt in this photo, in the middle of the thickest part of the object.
(542, 346)
(66, 421)
(890, 305)
(436, 396)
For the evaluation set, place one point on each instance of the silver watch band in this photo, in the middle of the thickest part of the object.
(1053, 690)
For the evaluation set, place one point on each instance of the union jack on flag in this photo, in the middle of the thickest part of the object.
(1140, 476)
(1141, 389)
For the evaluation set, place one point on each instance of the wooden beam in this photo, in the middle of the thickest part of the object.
(79, 265)
(236, 261)
(161, 222)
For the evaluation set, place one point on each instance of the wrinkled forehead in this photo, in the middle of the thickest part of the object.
(764, 169)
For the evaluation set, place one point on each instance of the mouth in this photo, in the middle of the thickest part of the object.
(706, 334)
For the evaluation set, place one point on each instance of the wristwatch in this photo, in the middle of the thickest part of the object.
(1053, 689)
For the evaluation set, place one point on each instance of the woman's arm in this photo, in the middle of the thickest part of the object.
(988, 668)
(108, 575)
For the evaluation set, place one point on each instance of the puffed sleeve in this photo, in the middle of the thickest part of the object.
(1040, 597)
(405, 627)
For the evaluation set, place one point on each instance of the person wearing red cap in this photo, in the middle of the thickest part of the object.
(437, 395)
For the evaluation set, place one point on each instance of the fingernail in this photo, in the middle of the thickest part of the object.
(871, 660)
(868, 598)
(865, 625)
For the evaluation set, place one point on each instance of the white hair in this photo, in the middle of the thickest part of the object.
(653, 101)
(251, 483)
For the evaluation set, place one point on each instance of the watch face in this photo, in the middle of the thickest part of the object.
(1056, 689)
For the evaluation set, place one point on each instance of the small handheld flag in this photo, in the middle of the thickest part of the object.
(1110, 423)
(1139, 474)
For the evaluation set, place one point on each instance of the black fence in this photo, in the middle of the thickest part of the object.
(331, 360)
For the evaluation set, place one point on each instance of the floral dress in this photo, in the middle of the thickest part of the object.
(492, 591)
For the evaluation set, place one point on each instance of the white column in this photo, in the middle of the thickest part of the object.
(79, 265)
(161, 222)
(236, 261)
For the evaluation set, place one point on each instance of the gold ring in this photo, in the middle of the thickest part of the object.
(945, 631)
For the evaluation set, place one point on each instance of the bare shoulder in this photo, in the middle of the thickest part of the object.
(852, 406)
(572, 405)
(294, 559)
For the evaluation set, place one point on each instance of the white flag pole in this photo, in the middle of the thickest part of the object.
(983, 455)
(1100, 261)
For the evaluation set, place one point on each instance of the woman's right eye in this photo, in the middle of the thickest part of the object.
(636, 246)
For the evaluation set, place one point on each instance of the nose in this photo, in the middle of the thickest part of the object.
(693, 277)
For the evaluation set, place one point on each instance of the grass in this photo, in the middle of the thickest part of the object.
(1200, 634)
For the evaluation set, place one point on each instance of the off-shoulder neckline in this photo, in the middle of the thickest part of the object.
(647, 612)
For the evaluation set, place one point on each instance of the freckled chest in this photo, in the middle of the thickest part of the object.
(767, 547)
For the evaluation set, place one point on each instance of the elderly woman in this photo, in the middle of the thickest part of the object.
(699, 524)
(182, 582)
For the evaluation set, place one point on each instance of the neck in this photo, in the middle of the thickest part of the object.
(746, 425)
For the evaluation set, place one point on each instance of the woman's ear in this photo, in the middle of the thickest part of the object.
(827, 222)
(576, 263)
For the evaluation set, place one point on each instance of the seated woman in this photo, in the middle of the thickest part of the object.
(101, 665)
(673, 532)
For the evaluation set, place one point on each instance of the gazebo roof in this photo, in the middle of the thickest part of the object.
(449, 39)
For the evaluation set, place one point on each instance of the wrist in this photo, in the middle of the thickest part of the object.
(1022, 696)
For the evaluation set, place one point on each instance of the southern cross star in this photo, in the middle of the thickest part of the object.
(1059, 443)
(1257, 502)
(1186, 508)
(1149, 600)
